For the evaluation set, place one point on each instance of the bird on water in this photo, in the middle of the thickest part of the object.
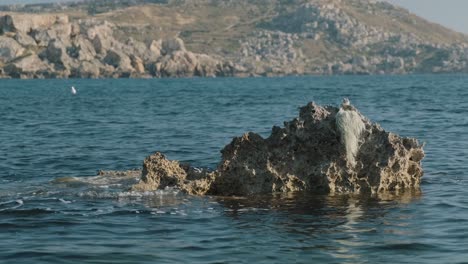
(73, 90)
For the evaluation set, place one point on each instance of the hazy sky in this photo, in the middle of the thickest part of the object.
(450, 13)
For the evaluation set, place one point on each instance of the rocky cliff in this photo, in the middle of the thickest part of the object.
(324, 150)
(224, 38)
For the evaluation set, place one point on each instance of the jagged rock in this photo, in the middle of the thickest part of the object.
(86, 69)
(139, 49)
(208, 66)
(155, 49)
(119, 60)
(82, 49)
(185, 63)
(27, 66)
(309, 154)
(24, 39)
(43, 36)
(179, 63)
(9, 49)
(101, 35)
(56, 53)
(27, 22)
(137, 64)
(169, 46)
(324, 150)
(159, 173)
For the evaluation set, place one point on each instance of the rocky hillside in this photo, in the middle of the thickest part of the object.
(153, 38)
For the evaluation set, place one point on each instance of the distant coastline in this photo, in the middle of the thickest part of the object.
(154, 38)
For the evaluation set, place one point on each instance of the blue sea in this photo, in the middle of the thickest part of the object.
(49, 136)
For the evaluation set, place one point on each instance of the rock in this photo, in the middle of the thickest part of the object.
(56, 53)
(308, 154)
(137, 64)
(27, 66)
(312, 153)
(172, 45)
(207, 66)
(86, 69)
(9, 49)
(119, 60)
(155, 49)
(101, 35)
(178, 64)
(139, 49)
(61, 32)
(185, 64)
(160, 173)
(27, 22)
(24, 39)
(82, 49)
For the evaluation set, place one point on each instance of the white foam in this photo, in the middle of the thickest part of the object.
(64, 201)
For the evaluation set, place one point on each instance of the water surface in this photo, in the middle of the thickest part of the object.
(47, 134)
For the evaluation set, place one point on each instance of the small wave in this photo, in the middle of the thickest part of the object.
(16, 204)
(129, 194)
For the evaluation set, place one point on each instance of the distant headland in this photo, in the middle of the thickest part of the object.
(185, 38)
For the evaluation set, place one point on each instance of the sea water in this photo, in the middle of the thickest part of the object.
(53, 209)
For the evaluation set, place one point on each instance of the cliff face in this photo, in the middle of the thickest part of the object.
(311, 153)
(225, 38)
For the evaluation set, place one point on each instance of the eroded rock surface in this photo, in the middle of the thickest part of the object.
(88, 49)
(159, 173)
(307, 154)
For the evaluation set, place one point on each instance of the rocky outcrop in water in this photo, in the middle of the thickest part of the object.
(310, 153)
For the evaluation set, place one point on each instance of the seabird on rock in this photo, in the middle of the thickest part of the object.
(350, 125)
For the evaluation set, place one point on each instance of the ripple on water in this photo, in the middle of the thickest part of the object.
(47, 135)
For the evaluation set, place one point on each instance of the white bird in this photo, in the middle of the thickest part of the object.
(350, 125)
(73, 90)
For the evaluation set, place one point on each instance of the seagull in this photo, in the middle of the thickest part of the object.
(350, 126)
(73, 90)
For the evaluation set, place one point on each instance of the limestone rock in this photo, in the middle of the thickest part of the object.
(101, 35)
(179, 63)
(172, 45)
(185, 64)
(137, 64)
(27, 22)
(119, 60)
(308, 154)
(24, 39)
(207, 66)
(27, 66)
(82, 49)
(159, 173)
(9, 49)
(56, 53)
(86, 69)
(60, 32)
(155, 49)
